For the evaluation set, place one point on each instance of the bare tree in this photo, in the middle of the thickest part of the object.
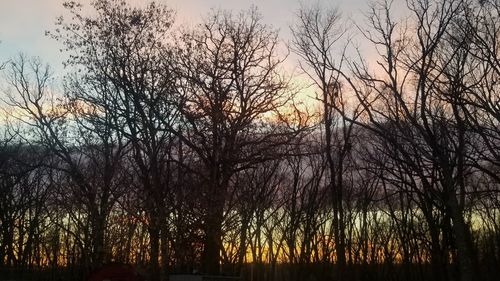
(230, 81)
(88, 152)
(125, 62)
(409, 98)
(318, 35)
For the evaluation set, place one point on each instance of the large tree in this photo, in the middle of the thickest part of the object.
(124, 59)
(231, 83)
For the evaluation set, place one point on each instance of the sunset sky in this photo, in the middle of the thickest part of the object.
(23, 22)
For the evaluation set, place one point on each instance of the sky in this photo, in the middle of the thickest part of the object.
(23, 22)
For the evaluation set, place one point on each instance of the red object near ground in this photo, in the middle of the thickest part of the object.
(114, 272)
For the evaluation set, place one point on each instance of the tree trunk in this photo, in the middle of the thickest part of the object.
(98, 230)
(154, 237)
(165, 255)
(463, 241)
(243, 243)
(212, 242)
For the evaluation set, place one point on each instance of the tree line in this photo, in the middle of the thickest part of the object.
(191, 149)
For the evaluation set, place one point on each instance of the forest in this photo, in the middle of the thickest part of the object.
(197, 149)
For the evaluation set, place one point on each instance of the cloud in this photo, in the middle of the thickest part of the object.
(22, 28)
(23, 22)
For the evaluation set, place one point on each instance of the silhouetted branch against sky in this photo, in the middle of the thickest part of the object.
(23, 23)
